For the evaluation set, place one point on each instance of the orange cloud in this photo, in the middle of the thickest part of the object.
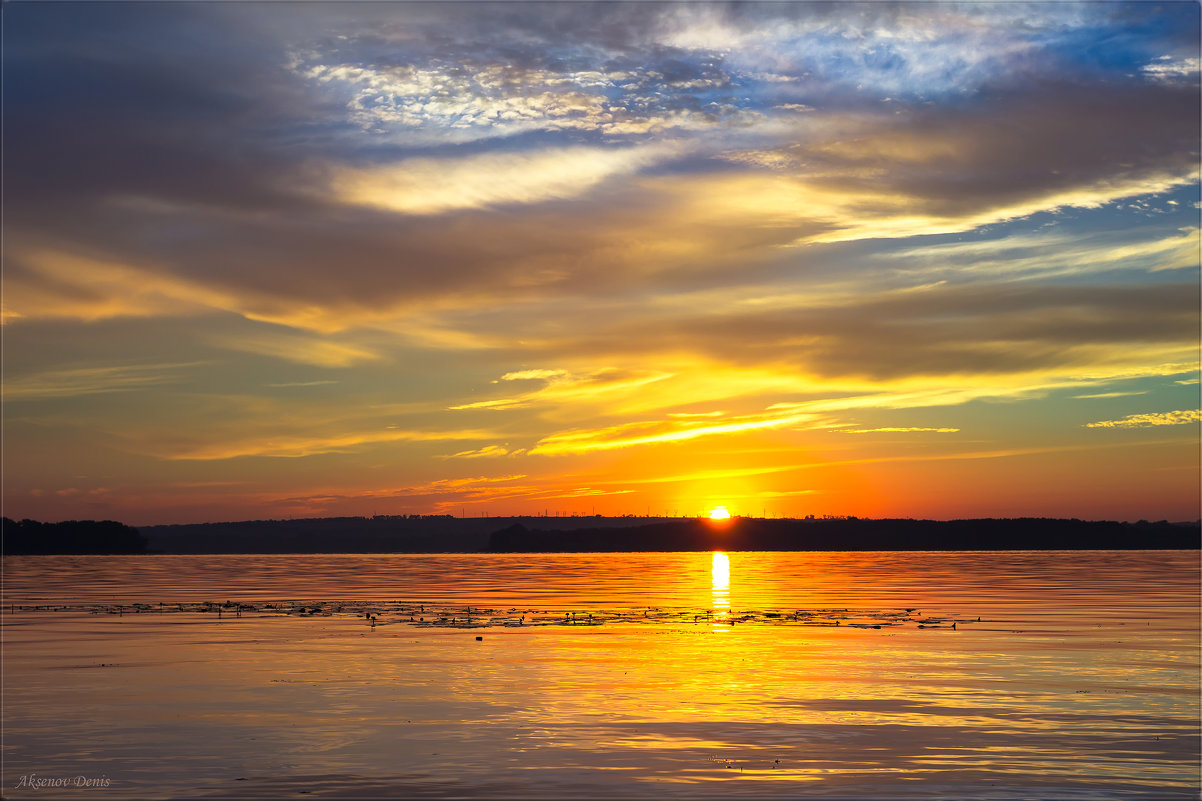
(646, 433)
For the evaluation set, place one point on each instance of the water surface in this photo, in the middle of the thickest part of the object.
(702, 675)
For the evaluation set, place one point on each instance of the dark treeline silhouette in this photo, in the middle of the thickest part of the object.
(377, 534)
(446, 534)
(854, 534)
(71, 537)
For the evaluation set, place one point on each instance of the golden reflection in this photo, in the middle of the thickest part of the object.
(720, 588)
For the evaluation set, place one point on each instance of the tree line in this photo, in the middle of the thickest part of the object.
(71, 537)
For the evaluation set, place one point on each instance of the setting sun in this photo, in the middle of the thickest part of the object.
(719, 513)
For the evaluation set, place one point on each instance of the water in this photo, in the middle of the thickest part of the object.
(715, 675)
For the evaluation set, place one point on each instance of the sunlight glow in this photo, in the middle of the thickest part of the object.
(719, 513)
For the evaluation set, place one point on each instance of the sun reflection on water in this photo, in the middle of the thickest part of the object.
(720, 587)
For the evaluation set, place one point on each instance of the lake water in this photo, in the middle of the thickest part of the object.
(833, 675)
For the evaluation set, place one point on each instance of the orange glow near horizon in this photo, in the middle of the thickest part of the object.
(719, 513)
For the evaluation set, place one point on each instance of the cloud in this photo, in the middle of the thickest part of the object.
(1056, 254)
(947, 330)
(1112, 394)
(1150, 419)
(707, 475)
(779, 494)
(446, 494)
(584, 492)
(895, 47)
(303, 384)
(657, 432)
(253, 228)
(441, 493)
(500, 403)
(936, 169)
(469, 100)
(487, 452)
(644, 218)
(434, 186)
(896, 430)
(76, 381)
(295, 348)
(528, 375)
(42, 284)
(562, 387)
(1168, 68)
(293, 447)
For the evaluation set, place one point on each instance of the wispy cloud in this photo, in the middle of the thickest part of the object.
(657, 432)
(1147, 420)
(296, 447)
(75, 381)
(321, 383)
(529, 375)
(699, 476)
(1112, 394)
(1057, 254)
(897, 430)
(447, 494)
(297, 348)
(442, 493)
(487, 452)
(562, 386)
(54, 284)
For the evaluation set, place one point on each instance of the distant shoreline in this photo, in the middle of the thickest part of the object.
(431, 534)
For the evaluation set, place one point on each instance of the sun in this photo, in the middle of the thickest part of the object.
(719, 513)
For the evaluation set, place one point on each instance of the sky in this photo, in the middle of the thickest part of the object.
(271, 260)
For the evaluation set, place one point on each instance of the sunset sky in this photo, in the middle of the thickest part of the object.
(266, 260)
